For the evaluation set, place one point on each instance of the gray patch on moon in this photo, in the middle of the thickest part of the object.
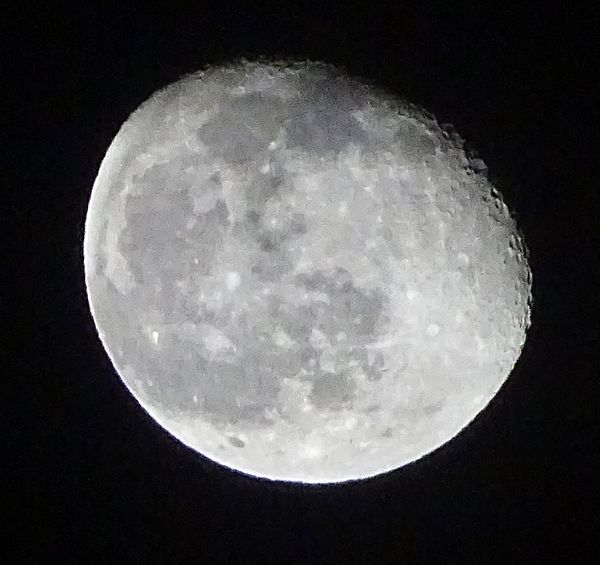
(241, 385)
(323, 122)
(331, 391)
(236, 441)
(243, 127)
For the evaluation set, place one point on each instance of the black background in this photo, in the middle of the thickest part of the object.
(91, 478)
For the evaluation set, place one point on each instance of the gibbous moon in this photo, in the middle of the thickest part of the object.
(299, 276)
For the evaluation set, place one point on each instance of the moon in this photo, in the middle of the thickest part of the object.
(299, 275)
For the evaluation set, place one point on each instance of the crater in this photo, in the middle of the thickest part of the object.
(298, 224)
(373, 369)
(236, 441)
(252, 217)
(270, 241)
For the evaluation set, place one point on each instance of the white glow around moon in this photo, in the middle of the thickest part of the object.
(300, 277)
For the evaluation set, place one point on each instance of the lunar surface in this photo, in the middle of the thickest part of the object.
(298, 275)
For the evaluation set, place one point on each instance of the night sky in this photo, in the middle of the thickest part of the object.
(92, 478)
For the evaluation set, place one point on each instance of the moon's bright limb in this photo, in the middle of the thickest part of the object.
(300, 277)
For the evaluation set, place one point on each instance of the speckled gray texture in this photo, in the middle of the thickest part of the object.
(299, 276)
